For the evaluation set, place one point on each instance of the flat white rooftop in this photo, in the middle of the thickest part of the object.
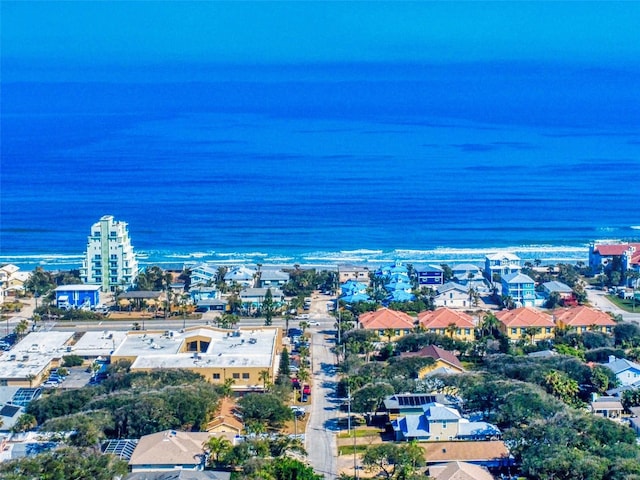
(98, 344)
(239, 348)
(81, 287)
(33, 354)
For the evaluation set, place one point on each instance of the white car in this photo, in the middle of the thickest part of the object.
(314, 324)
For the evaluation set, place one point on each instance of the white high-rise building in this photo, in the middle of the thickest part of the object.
(109, 261)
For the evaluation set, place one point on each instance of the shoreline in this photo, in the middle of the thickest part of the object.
(547, 254)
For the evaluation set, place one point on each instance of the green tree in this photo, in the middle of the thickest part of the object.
(563, 387)
(21, 328)
(266, 407)
(265, 377)
(72, 360)
(217, 447)
(39, 283)
(63, 464)
(268, 307)
(25, 422)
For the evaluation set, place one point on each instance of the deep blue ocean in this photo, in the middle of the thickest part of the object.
(324, 164)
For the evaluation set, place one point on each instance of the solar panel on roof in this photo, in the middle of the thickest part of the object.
(9, 410)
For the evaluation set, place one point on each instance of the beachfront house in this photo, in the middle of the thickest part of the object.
(429, 275)
(241, 275)
(272, 278)
(11, 281)
(445, 321)
(353, 292)
(526, 323)
(521, 289)
(354, 273)
(203, 274)
(497, 265)
(467, 274)
(614, 256)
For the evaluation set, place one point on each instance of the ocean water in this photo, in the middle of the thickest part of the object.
(325, 164)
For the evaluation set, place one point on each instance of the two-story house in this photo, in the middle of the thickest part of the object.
(526, 322)
(445, 321)
(387, 323)
(429, 275)
(438, 422)
(582, 319)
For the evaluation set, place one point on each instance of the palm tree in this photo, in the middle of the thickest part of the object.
(227, 390)
(389, 333)
(264, 376)
(451, 329)
(30, 378)
(489, 323)
(217, 446)
(21, 328)
(531, 332)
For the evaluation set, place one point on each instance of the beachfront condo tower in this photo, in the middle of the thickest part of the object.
(109, 261)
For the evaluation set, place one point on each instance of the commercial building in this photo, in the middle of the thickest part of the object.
(239, 355)
(109, 261)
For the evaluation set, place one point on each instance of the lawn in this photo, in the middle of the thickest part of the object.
(626, 305)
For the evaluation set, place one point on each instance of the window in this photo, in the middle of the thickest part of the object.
(245, 376)
(236, 376)
(216, 376)
(514, 331)
(548, 329)
(467, 331)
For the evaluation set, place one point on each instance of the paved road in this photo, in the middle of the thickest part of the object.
(320, 437)
(598, 299)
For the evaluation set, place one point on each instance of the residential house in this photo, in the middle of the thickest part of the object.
(501, 264)
(399, 296)
(581, 319)
(521, 289)
(626, 371)
(225, 420)
(172, 450)
(445, 362)
(385, 321)
(565, 292)
(452, 295)
(492, 453)
(78, 296)
(352, 272)
(438, 422)
(199, 292)
(272, 278)
(203, 274)
(445, 321)
(614, 256)
(12, 281)
(401, 404)
(429, 275)
(608, 407)
(459, 471)
(526, 322)
(241, 275)
(467, 274)
(393, 269)
(353, 292)
(252, 298)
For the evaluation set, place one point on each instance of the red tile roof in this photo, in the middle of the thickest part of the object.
(385, 318)
(525, 317)
(443, 317)
(612, 249)
(583, 316)
(437, 353)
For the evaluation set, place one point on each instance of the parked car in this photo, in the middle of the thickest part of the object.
(306, 389)
(295, 383)
(304, 398)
